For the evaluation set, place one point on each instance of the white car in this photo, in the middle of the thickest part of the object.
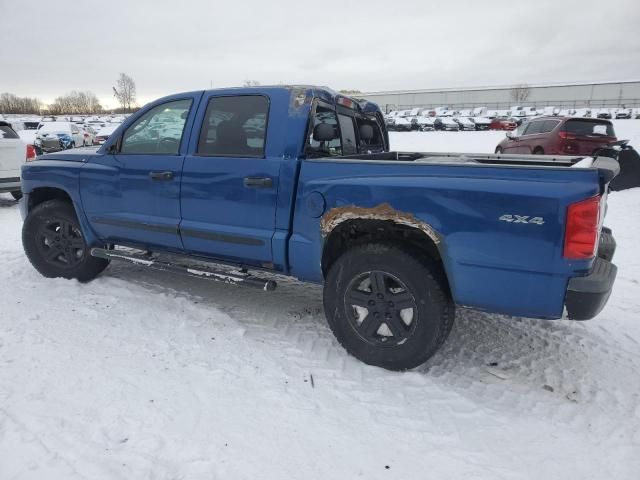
(104, 133)
(465, 123)
(89, 134)
(13, 153)
(55, 136)
(425, 124)
(481, 123)
(399, 123)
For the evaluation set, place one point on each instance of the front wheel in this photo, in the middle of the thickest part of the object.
(386, 307)
(17, 194)
(53, 242)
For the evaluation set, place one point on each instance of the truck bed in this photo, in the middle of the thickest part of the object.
(481, 159)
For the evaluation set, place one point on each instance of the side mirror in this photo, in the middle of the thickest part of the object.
(510, 134)
(323, 132)
(113, 148)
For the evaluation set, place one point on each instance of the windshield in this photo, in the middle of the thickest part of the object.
(589, 127)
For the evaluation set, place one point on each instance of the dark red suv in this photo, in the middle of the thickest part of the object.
(559, 136)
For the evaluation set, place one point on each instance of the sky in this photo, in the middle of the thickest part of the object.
(50, 47)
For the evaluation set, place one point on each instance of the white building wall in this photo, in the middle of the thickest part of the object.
(595, 95)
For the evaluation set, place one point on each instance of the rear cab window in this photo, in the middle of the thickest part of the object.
(356, 132)
(331, 148)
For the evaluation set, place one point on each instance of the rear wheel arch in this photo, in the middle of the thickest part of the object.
(538, 150)
(357, 232)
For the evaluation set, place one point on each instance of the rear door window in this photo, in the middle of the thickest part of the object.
(589, 128)
(549, 125)
(234, 126)
(534, 128)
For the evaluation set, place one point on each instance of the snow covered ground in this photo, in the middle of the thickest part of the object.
(145, 375)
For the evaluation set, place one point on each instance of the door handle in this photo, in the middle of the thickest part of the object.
(258, 182)
(161, 175)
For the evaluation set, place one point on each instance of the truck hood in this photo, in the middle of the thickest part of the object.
(72, 155)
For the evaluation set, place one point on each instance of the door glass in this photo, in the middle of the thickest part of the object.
(159, 131)
(234, 126)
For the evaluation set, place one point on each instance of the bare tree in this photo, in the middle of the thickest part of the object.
(520, 93)
(125, 91)
(11, 103)
(76, 102)
(251, 83)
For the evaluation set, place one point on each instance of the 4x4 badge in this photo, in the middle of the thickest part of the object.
(521, 219)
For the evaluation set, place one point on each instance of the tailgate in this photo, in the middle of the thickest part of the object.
(12, 154)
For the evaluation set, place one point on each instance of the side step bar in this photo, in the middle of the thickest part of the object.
(200, 271)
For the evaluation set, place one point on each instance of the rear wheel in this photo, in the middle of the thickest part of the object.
(386, 307)
(538, 151)
(498, 150)
(17, 194)
(53, 242)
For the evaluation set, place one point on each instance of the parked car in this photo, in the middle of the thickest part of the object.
(55, 136)
(104, 133)
(604, 113)
(465, 123)
(559, 136)
(446, 123)
(398, 239)
(89, 134)
(623, 113)
(425, 123)
(400, 124)
(13, 153)
(481, 123)
(501, 123)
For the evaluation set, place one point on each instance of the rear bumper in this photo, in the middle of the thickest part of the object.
(586, 296)
(10, 184)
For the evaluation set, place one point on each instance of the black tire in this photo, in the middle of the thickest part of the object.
(17, 194)
(53, 242)
(538, 151)
(498, 150)
(413, 283)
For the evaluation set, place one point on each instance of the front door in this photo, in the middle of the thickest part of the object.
(132, 193)
(230, 181)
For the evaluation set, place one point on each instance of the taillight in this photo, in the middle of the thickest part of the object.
(581, 233)
(31, 153)
(566, 136)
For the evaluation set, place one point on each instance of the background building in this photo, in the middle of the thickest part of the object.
(574, 95)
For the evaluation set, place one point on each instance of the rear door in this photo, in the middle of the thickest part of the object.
(131, 194)
(230, 177)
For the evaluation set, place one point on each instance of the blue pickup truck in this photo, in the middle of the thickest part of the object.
(242, 185)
